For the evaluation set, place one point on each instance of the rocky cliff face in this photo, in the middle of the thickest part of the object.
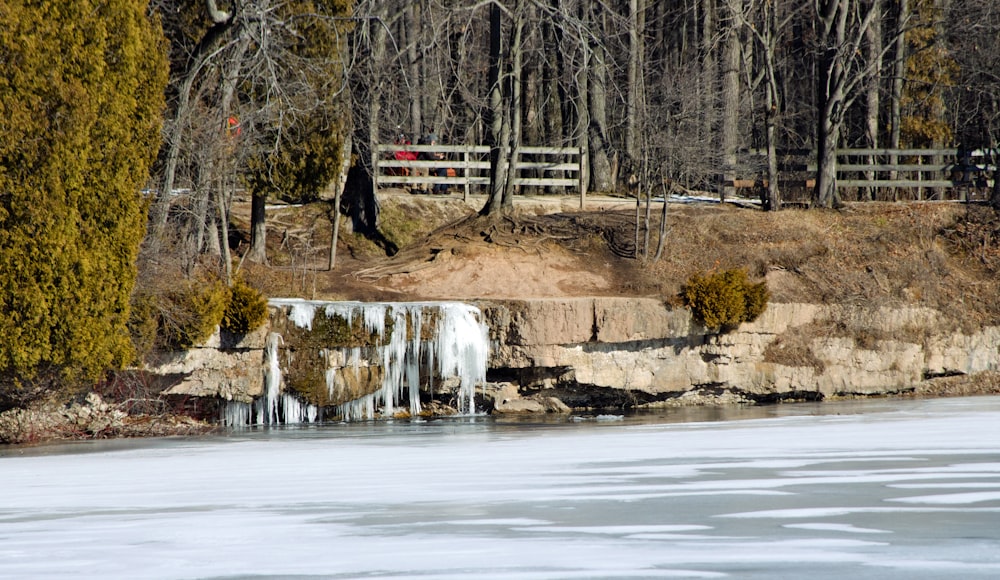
(225, 367)
(552, 355)
(639, 351)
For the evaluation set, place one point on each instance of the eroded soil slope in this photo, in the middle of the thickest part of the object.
(940, 255)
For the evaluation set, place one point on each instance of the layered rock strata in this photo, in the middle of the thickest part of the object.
(552, 355)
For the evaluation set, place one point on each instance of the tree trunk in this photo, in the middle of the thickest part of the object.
(223, 195)
(772, 200)
(638, 223)
(873, 45)
(367, 85)
(495, 117)
(661, 242)
(634, 80)
(837, 74)
(568, 115)
(600, 164)
(773, 104)
(708, 85)
(345, 163)
(200, 221)
(222, 204)
(514, 108)
(413, 36)
(647, 188)
(828, 138)
(258, 230)
(206, 48)
(898, 76)
(553, 70)
(995, 190)
(581, 95)
(830, 106)
(729, 134)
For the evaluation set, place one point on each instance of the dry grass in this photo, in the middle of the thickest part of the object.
(874, 254)
(943, 256)
(794, 349)
(984, 383)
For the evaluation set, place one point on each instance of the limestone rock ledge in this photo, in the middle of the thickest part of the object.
(226, 367)
(606, 352)
(580, 348)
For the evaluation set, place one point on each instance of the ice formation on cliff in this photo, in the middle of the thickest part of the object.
(459, 348)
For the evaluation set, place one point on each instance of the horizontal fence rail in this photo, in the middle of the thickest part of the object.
(469, 165)
(924, 173)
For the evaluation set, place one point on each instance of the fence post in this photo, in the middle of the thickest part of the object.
(376, 170)
(583, 175)
(920, 177)
(467, 171)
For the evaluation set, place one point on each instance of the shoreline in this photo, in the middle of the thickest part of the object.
(95, 419)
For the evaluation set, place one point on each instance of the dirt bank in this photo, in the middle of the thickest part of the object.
(939, 255)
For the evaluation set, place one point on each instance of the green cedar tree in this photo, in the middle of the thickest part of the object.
(81, 102)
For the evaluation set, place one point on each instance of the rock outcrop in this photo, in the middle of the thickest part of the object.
(92, 418)
(551, 355)
(227, 367)
(653, 354)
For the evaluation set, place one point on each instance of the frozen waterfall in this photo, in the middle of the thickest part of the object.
(274, 407)
(457, 347)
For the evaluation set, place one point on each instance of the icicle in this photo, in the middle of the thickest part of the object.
(358, 409)
(355, 354)
(393, 357)
(459, 349)
(331, 380)
(272, 379)
(413, 362)
(462, 348)
(301, 312)
(296, 411)
(236, 414)
(343, 310)
(375, 319)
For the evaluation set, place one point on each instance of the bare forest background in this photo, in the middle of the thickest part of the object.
(666, 93)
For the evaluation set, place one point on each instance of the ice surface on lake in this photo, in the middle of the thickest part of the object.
(459, 348)
(791, 496)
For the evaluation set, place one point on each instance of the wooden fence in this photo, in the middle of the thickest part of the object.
(545, 167)
(921, 170)
(886, 173)
(920, 173)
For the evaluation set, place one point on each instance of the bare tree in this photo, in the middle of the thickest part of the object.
(245, 72)
(842, 27)
(874, 50)
(899, 75)
(732, 23)
(636, 47)
(761, 19)
(504, 107)
(601, 178)
(975, 37)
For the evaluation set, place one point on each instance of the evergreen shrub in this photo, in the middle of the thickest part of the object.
(179, 317)
(722, 300)
(81, 102)
(246, 309)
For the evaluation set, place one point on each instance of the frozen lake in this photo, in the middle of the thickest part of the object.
(880, 489)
